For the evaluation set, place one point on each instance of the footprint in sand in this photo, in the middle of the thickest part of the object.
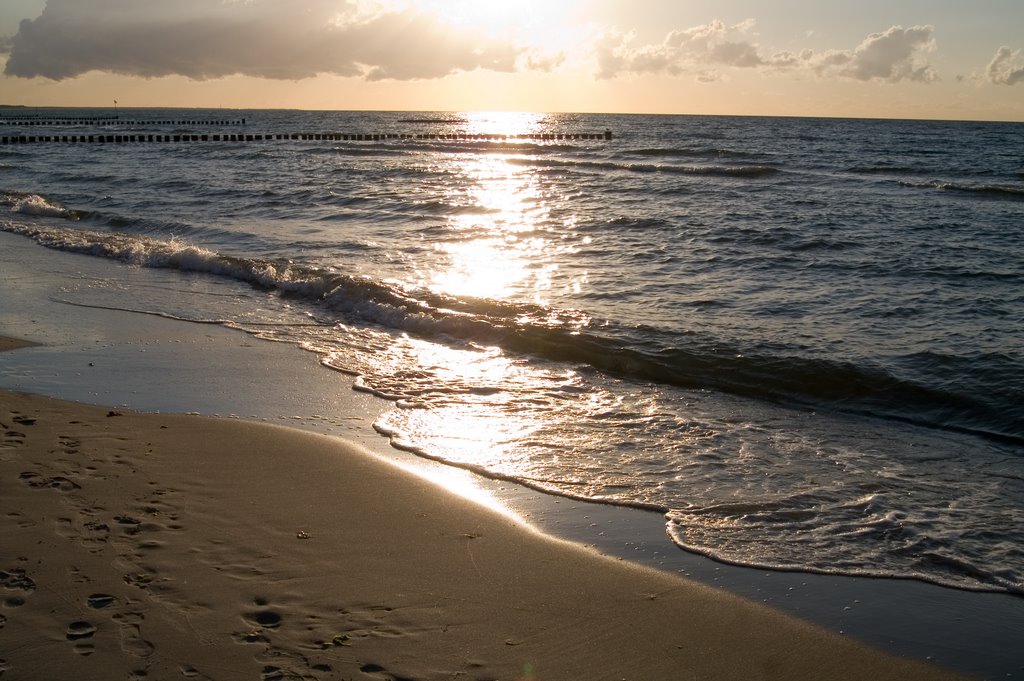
(129, 525)
(381, 672)
(100, 601)
(13, 438)
(77, 632)
(190, 672)
(89, 532)
(261, 621)
(16, 580)
(36, 481)
(271, 673)
(77, 576)
(131, 635)
(268, 619)
(20, 520)
(139, 579)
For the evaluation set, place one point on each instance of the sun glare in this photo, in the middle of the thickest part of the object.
(493, 17)
(504, 122)
(501, 248)
(542, 24)
(545, 30)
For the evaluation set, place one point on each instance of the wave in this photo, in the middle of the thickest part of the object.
(718, 532)
(404, 147)
(638, 354)
(887, 170)
(689, 152)
(435, 119)
(983, 190)
(492, 146)
(628, 223)
(754, 171)
(373, 151)
(36, 205)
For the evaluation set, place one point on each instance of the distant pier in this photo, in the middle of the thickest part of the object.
(137, 138)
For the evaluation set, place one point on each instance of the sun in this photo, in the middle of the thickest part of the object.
(542, 31)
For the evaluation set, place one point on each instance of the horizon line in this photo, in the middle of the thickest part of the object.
(120, 107)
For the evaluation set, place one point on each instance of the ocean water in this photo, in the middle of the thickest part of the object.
(799, 339)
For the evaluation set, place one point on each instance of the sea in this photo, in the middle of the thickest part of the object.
(800, 340)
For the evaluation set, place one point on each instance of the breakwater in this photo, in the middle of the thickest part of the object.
(138, 138)
(56, 121)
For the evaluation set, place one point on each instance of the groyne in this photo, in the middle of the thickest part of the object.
(57, 121)
(163, 138)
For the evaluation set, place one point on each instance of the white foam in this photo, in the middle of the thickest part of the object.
(33, 204)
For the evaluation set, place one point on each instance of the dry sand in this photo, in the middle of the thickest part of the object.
(170, 546)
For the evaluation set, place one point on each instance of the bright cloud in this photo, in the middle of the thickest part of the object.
(894, 55)
(713, 44)
(1006, 67)
(203, 39)
(897, 54)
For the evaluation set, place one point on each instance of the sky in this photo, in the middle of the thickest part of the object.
(932, 59)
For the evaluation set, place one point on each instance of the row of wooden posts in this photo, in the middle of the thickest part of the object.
(333, 136)
(53, 122)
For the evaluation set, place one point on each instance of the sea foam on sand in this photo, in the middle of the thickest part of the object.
(172, 546)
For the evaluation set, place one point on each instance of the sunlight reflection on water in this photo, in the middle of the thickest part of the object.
(508, 246)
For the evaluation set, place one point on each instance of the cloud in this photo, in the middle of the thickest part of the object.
(1006, 67)
(713, 44)
(6, 44)
(537, 61)
(897, 54)
(894, 55)
(281, 39)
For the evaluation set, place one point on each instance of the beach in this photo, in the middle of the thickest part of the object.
(501, 410)
(175, 545)
(790, 352)
(155, 546)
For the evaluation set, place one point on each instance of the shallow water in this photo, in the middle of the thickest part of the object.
(797, 338)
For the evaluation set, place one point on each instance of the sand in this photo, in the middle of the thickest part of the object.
(171, 546)
(13, 343)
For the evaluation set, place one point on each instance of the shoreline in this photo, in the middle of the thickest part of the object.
(120, 358)
(150, 544)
